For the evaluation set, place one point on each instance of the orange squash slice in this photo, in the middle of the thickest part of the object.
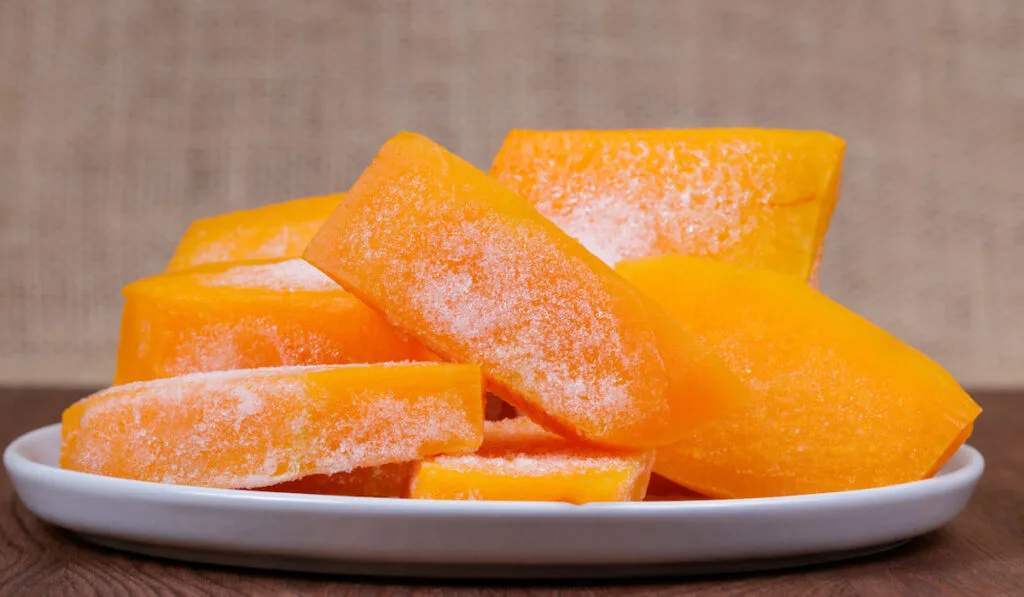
(478, 276)
(269, 232)
(838, 402)
(755, 197)
(247, 315)
(260, 427)
(520, 461)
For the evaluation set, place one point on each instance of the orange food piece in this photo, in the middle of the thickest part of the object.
(268, 232)
(838, 402)
(385, 481)
(478, 276)
(951, 449)
(245, 315)
(755, 197)
(260, 427)
(520, 461)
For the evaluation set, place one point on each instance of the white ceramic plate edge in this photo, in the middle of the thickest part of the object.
(242, 526)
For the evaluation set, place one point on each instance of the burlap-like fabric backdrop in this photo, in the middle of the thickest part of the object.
(121, 120)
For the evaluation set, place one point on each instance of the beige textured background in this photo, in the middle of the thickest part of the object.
(122, 120)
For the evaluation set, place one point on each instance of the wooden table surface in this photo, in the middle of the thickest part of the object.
(981, 553)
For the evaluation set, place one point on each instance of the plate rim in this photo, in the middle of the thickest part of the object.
(18, 464)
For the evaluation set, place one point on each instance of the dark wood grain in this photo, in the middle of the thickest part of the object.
(981, 553)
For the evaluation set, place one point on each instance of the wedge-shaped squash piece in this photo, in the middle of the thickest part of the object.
(755, 197)
(259, 427)
(478, 276)
(520, 461)
(272, 231)
(838, 402)
(246, 315)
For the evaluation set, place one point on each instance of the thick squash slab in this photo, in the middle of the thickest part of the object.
(247, 315)
(269, 232)
(260, 427)
(520, 461)
(755, 197)
(478, 276)
(838, 402)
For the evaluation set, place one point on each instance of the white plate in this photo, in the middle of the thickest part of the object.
(480, 539)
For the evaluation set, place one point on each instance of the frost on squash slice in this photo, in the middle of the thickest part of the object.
(260, 427)
(755, 197)
(268, 232)
(520, 461)
(838, 402)
(477, 275)
(246, 315)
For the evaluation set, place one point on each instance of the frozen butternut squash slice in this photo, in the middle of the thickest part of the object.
(268, 232)
(478, 276)
(259, 427)
(838, 402)
(520, 461)
(755, 197)
(386, 481)
(246, 315)
(951, 449)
